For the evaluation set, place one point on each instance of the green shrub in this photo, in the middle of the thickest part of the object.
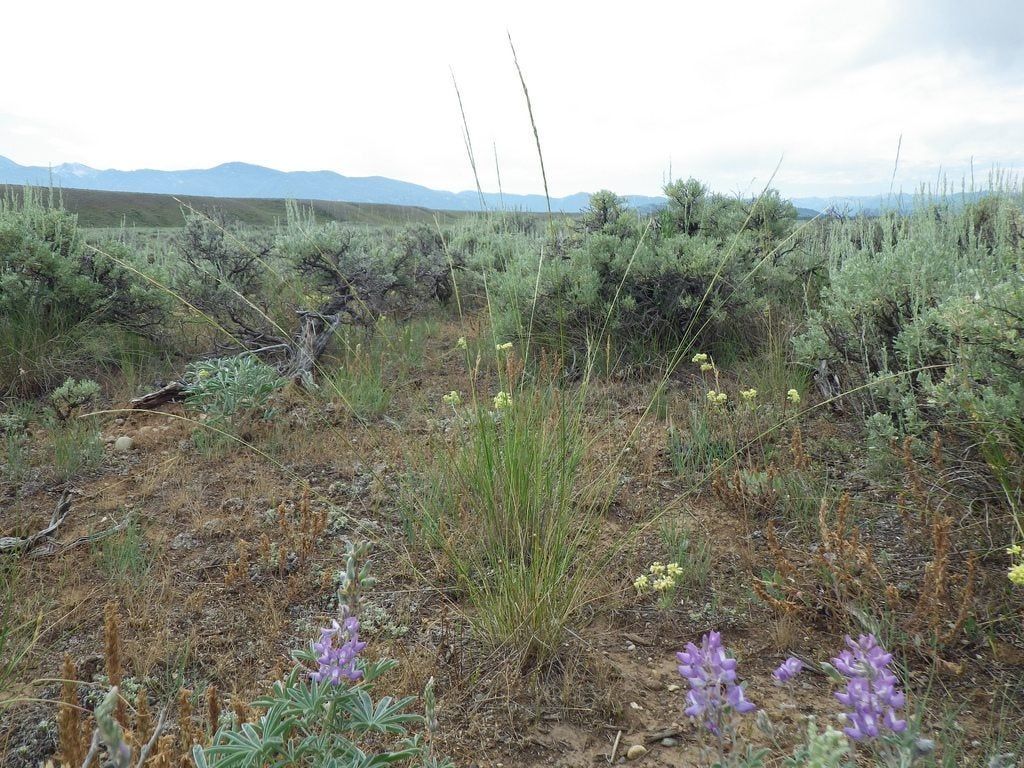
(367, 274)
(56, 291)
(925, 313)
(73, 395)
(635, 289)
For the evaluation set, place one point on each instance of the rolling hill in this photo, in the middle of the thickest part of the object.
(242, 180)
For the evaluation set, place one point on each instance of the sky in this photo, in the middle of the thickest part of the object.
(813, 97)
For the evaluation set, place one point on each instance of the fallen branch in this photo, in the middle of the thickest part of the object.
(87, 539)
(167, 394)
(25, 543)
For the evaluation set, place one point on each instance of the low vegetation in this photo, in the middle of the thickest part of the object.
(700, 486)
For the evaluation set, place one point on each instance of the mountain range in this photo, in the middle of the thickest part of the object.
(254, 181)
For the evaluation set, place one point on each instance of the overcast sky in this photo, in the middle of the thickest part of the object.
(722, 90)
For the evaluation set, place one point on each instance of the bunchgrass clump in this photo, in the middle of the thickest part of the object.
(513, 513)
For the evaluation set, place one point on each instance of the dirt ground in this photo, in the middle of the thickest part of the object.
(193, 616)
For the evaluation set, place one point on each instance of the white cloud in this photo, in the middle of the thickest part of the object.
(364, 89)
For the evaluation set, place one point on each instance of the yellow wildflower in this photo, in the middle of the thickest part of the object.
(793, 396)
(700, 357)
(663, 583)
(502, 400)
(1016, 574)
(503, 347)
(716, 399)
(453, 399)
(642, 583)
(705, 367)
(1013, 550)
(748, 394)
(462, 343)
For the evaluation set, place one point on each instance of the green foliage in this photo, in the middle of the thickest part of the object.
(367, 274)
(359, 383)
(55, 291)
(123, 556)
(228, 386)
(77, 448)
(72, 396)
(319, 724)
(823, 749)
(924, 316)
(508, 509)
(706, 447)
(641, 286)
(691, 551)
(231, 276)
(926, 309)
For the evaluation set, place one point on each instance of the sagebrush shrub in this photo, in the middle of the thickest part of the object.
(57, 291)
(923, 315)
(637, 287)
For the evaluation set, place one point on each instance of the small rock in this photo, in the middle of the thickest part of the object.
(184, 540)
(635, 751)
(668, 741)
(123, 444)
(672, 688)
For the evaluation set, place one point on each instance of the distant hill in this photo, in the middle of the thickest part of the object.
(97, 208)
(241, 180)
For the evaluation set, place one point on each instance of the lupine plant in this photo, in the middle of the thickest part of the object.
(717, 699)
(322, 714)
(872, 698)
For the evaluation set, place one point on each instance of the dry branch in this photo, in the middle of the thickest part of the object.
(25, 543)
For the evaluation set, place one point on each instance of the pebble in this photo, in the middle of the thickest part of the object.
(672, 688)
(635, 751)
(668, 741)
(123, 444)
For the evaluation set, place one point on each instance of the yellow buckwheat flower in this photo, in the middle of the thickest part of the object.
(793, 396)
(664, 583)
(642, 583)
(749, 394)
(504, 347)
(716, 399)
(502, 400)
(1016, 574)
(1013, 550)
(462, 343)
(700, 357)
(705, 367)
(453, 399)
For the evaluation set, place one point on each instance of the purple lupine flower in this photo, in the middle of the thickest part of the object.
(872, 693)
(337, 650)
(711, 674)
(788, 669)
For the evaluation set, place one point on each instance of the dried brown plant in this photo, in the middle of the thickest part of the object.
(112, 656)
(72, 738)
